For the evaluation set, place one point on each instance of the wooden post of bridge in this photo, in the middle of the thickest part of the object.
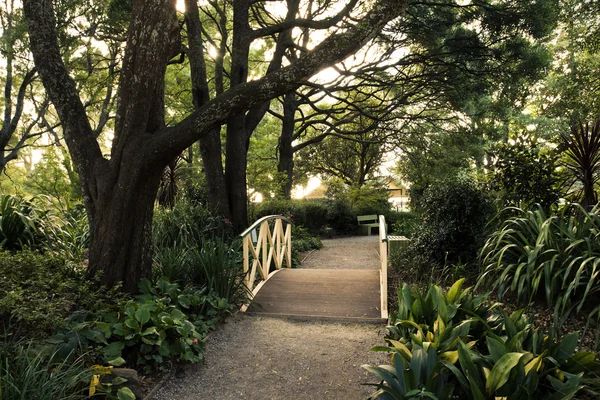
(383, 264)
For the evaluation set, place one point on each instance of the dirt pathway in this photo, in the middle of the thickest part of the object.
(261, 358)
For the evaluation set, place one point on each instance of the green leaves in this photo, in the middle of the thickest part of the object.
(558, 255)
(487, 352)
(501, 371)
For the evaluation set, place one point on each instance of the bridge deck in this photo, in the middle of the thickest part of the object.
(340, 294)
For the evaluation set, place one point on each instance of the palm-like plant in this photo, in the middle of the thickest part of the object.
(582, 159)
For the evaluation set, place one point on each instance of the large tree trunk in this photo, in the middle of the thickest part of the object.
(235, 172)
(286, 150)
(210, 148)
(121, 227)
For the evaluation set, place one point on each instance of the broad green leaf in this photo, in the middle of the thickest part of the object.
(125, 394)
(466, 362)
(119, 380)
(450, 356)
(384, 375)
(534, 365)
(496, 347)
(501, 371)
(117, 362)
(113, 350)
(454, 291)
(418, 363)
(475, 390)
(142, 315)
(567, 345)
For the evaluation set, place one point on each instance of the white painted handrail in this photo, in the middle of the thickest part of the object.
(383, 265)
(269, 247)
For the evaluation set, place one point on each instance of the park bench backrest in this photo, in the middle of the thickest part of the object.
(367, 219)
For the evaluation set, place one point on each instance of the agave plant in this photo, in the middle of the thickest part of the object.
(582, 159)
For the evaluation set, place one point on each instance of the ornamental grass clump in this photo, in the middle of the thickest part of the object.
(557, 256)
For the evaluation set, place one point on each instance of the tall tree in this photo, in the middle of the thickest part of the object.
(18, 77)
(90, 40)
(119, 190)
(440, 64)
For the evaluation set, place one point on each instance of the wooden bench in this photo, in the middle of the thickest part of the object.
(367, 222)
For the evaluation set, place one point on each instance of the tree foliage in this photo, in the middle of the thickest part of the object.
(523, 172)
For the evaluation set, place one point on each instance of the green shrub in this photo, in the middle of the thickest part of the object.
(303, 241)
(211, 263)
(39, 291)
(20, 222)
(454, 216)
(315, 213)
(220, 269)
(444, 345)
(163, 323)
(340, 217)
(187, 223)
(311, 214)
(555, 255)
(403, 223)
(369, 200)
(523, 172)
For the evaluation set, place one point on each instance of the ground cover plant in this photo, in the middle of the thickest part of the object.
(65, 323)
(556, 257)
(455, 343)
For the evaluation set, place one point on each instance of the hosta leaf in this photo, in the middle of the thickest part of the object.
(501, 371)
(496, 347)
(113, 350)
(132, 324)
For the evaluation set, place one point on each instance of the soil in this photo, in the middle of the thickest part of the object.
(268, 358)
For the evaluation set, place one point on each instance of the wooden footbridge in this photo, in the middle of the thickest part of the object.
(356, 295)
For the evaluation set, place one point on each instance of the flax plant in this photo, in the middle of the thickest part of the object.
(533, 253)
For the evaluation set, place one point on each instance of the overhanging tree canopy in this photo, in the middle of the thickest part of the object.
(119, 190)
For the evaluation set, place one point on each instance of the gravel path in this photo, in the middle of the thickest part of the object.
(357, 252)
(267, 358)
(259, 358)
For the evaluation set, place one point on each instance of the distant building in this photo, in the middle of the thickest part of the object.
(399, 194)
(315, 189)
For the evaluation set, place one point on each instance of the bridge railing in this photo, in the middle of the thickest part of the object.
(383, 265)
(263, 247)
